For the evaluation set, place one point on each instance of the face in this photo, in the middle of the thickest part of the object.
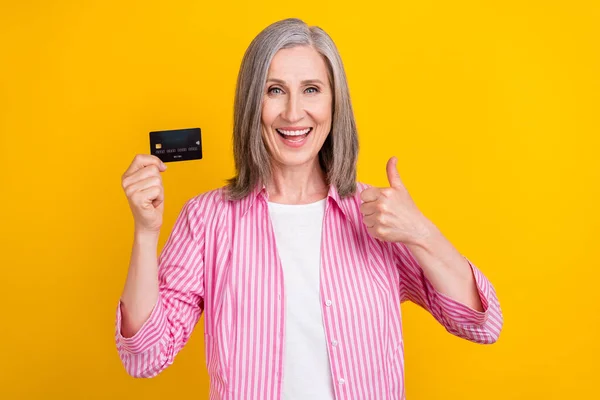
(296, 109)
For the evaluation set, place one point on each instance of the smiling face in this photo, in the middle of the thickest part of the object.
(296, 109)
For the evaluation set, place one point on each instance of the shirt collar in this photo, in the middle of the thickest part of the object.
(260, 190)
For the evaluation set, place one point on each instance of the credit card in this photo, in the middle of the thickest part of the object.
(176, 144)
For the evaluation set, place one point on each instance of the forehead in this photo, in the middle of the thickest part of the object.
(298, 63)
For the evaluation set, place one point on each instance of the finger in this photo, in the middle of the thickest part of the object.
(368, 208)
(143, 160)
(156, 194)
(372, 232)
(369, 221)
(392, 173)
(141, 174)
(143, 184)
(378, 232)
(370, 194)
(149, 197)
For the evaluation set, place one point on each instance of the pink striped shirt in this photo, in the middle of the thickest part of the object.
(221, 259)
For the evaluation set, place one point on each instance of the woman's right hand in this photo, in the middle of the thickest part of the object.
(143, 187)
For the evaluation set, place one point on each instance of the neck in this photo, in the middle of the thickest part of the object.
(299, 184)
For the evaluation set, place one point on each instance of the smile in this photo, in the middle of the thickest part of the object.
(293, 132)
(294, 137)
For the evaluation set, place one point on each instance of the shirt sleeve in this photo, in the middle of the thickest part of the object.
(179, 305)
(459, 319)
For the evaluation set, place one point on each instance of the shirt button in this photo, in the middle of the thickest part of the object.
(341, 381)
(328, 303)
(334, 343)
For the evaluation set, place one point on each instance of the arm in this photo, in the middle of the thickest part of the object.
(435, 276)
(447, 270)
(163, 299)
(141, 287)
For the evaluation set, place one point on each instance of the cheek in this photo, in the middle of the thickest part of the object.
(322, 112)
(269, 112)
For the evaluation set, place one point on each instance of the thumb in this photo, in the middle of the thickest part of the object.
(392, 173)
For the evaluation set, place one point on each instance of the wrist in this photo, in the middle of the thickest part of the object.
(146, 237)
(427, 236)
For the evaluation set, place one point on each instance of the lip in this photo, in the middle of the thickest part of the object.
(293, 128)
(294, 144)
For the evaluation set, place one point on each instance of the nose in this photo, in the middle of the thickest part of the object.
(294, 110)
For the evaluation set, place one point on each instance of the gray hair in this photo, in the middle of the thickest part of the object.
(339, 152)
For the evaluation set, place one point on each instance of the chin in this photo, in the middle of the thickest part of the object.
(294, 160)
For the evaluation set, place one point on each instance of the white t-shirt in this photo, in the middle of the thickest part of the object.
(306, 373)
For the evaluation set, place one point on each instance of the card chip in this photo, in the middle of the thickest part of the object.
(158, 146)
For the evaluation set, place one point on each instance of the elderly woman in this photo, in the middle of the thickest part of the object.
(299, 269)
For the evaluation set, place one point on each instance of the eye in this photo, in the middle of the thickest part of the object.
(314, 90)
(273, 89)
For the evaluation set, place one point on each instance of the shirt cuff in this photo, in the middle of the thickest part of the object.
(462, 314)
(149, 334)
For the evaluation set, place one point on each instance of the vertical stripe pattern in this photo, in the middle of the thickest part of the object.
(221, 260)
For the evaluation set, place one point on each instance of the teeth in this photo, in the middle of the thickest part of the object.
(294, 133)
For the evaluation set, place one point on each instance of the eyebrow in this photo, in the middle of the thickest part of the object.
(305, 82)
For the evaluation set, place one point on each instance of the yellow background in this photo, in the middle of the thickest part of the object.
(491, 108)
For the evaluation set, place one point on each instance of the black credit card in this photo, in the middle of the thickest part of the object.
(176, 144)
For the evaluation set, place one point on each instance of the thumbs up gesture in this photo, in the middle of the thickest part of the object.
(390, 214)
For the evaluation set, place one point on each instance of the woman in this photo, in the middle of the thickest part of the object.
(298, 269)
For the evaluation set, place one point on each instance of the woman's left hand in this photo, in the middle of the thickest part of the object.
(390, 214)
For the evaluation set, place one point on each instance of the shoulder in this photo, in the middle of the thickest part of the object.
(205, 204)
(210, 198)
(360, 186)
(350, 204)
(355, 199)
(214, 202)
